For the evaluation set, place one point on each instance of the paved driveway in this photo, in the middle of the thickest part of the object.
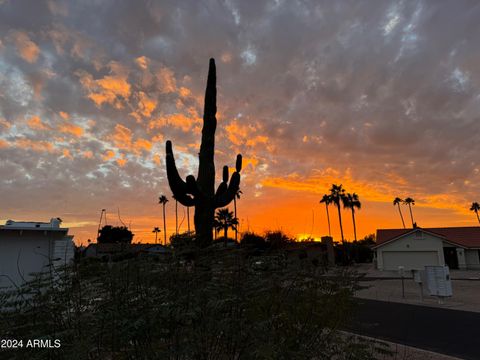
(444, 331)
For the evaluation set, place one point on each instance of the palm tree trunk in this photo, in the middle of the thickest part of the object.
(345, 257)
(225, 231)
(156, 236)
(164, 227)
(411, 215)
(354, 227)
(401, 216)
(340, 221)
(328, 220)
(176, 217)
(188, 218)
(235, 215)
(478, 218)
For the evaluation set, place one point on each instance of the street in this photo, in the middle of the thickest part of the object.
(450, 332)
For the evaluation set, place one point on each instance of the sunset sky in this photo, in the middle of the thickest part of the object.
(382, 97)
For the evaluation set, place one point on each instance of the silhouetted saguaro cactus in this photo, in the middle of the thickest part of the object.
(200, 192)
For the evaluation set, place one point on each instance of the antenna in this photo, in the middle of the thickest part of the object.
(119, 218)
(100, 221)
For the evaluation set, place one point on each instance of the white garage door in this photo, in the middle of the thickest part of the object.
(409, 259)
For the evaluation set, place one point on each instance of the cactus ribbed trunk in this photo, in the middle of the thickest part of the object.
(200, 192)
(204, 206)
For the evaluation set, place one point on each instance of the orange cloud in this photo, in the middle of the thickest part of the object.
(166, 79)
(142, 144)
(39, 146)
(66, 153)
(156, 159)
(184, 92)
(252, 162)
(244, 134)
(36, 123)
(88, 154)
(146, 105)
(26, 48)
(5, 123)
(110, 89)
(176, 120)
(108, 155)
(122, 139)
(71, 129)
(3, 144)
(121, 161)
(64, 115)
(142, 62)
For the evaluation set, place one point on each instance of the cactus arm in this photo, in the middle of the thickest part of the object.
(227, 196)
(177, 185)
(184, 199)
(222, 188)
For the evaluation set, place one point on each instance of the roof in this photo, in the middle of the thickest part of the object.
(466, 236)
(53, 225)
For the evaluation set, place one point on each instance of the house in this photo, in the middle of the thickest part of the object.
(456, 247)
(28, 247)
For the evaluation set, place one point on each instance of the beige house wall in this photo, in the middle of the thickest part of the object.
(419, 245)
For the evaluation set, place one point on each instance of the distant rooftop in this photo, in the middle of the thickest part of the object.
(54, 224)
(465, 236)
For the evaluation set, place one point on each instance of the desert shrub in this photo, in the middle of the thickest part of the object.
(253, 240)
(277, 239)
(183, 240)
(221, 306)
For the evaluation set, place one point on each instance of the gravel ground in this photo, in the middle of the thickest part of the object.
(380, 286)
(402, 352)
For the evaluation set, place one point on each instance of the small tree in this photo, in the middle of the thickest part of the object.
(163, 200)
(115, 235)
(224, 220)
(156, 230)
(475, 208)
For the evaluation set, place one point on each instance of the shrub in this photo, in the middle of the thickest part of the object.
(220, 307)
(253, 240)
(115, 234)
(277, 239)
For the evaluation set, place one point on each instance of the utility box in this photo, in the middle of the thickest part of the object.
(438, 281)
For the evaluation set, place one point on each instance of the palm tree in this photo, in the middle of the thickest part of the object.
(337, 195)
(237, 196)
(327, 200)
(409, 201)
(163, 200)
(224, 219)
(352, 202)
(475, 208)
(396, 202)
(156, 230)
